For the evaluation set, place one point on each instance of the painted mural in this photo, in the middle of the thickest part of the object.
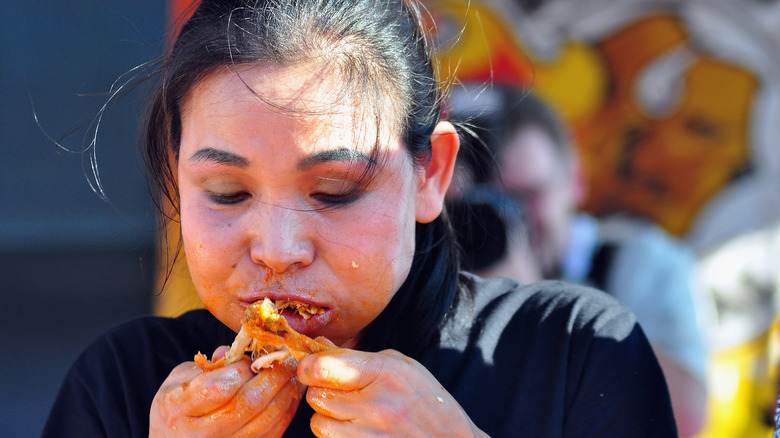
(674, 103)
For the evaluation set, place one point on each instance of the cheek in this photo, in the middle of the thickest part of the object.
(210, 249)
(211, 257)
(381, 264)
(387, 250)
(196, 245)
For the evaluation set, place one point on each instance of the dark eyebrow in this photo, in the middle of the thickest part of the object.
(340, 154)
(219, 157)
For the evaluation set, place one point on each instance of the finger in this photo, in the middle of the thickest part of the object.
(325, 341)
(334, 403)
(347, 370)
(387, 410)
(219, 353)
(325, 427)
(380, 408)
(177, 382)
(208, 391)
(184, 372)
(274, 419)
(257, 394)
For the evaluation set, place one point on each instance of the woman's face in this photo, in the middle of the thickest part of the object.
(273, 203)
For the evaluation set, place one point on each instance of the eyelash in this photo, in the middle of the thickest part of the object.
(335, 200)
(339, 199)
(228, 198)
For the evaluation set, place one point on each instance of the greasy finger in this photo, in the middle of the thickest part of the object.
(184, 372)
(210, 390)
(178, 381)
(326, 341)
(326, 427)
(334, 403)
(347, 370)
(219, 353)
(257, 394)
(274, 419)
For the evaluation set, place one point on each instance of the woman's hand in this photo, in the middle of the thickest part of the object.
(229, 401)
(356, 394)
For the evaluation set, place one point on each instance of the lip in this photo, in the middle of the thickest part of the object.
(310, 327)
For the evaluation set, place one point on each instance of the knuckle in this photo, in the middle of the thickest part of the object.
(169, 397)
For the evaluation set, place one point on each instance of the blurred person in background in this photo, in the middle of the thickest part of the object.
(632, 259)
(491, 231)
(488, 222)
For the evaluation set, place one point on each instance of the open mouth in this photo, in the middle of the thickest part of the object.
(267, 335)
(305, 310)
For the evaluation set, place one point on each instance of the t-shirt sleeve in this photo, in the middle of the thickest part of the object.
(109, 389)
(552, 359)
(75, 411)
(616, 386)
(91, 401)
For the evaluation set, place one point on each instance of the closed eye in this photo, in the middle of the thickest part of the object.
(337, 199)
(337, 191)
(228, 198)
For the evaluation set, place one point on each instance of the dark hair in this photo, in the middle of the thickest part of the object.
(523, 109)
(381, 50)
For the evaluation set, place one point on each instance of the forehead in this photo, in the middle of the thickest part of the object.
(303, 93)
(294, 91)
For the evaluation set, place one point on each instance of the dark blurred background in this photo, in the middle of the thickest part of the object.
(71, 264)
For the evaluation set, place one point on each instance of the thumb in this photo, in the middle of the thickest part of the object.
(346, 370)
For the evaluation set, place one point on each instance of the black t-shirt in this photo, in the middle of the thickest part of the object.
(544, 360)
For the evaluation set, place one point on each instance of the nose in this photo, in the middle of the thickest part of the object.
(282, 240)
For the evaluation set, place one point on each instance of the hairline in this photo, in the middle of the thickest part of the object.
(395, 127)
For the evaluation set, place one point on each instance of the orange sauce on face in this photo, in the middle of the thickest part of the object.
(223, 306)
(214, 302)
(310, 292)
